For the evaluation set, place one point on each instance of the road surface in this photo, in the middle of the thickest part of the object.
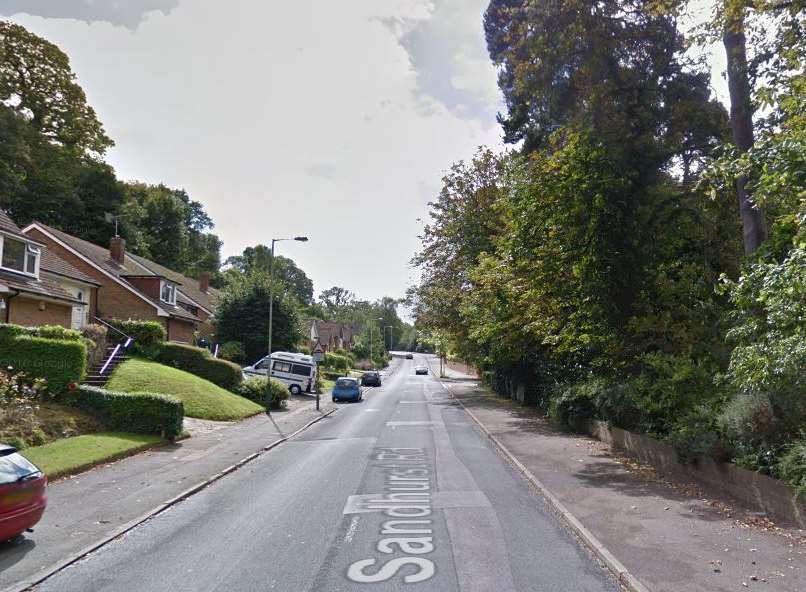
(398, 492)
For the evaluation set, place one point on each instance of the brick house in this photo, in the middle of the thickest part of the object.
(330, 336)
(131, 287)
(38, 288)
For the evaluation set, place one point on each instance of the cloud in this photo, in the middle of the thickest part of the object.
(126, 13)
(446, 47)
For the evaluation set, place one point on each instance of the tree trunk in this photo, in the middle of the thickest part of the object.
(741, 123)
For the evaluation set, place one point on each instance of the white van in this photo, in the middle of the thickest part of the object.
(298, 371)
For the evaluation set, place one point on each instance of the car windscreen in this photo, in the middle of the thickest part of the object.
(14, 467)
(346, 383)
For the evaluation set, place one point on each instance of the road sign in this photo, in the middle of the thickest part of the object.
(318, 354)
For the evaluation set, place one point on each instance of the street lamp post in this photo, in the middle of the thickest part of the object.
(302, 239)
(391, 328)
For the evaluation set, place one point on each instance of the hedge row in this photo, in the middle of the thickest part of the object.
(61, 362)
(148, 335)
(8, 331)
(198, 361)
(143, 413)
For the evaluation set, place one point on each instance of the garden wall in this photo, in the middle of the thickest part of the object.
(759, 492)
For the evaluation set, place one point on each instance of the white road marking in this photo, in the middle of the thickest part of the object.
(395, 424)
(351, 530)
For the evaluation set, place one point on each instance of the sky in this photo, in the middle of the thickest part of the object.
(334, 120)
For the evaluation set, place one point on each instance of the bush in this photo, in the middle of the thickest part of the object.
(59, 361)
(347, 354)
(254, 389)
(198, 361)
(336, 362)
(148, 335)
(750, 418)
(575, 406)
(792, 465)
(44, 331)
(143, 413)
(95, 338)
(232, 351)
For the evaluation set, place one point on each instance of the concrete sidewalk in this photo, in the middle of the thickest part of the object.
(671, 537)
(90, 507)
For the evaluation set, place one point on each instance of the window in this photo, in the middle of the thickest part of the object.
(168, 293)
(14, 467)
(282, 367)
(301, 370)
(19, 256)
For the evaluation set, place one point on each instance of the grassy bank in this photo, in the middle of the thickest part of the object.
(202, 398)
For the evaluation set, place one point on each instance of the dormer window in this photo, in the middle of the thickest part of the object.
(168, 292)
(19, 256)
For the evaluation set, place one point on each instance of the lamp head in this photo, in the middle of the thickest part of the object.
(302, 239)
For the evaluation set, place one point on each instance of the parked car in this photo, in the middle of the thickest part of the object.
(22, 493)
(409, 356)
(421, 370)
(347, 389)
(298, 371)
(371, 378)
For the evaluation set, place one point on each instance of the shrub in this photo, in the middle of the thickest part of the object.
(148, 335)
(44, 331)
(232, 351)
(254, 389)
(575, 406)
(792, 465)
(336, 362)
(143, 413)
(696, 435)
(750, 418)
(198, 361)
(95, 339)
(347, 354)
(59, 361)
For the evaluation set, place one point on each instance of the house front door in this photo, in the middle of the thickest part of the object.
(79, 318)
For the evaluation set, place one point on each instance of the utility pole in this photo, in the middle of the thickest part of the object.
(302, 239)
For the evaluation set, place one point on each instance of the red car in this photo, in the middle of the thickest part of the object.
(22, 493)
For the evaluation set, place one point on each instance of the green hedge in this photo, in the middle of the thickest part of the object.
(198, 361)
(142, 413)
(254, 389)
(44, 331)
(61, 362)
(148, 335)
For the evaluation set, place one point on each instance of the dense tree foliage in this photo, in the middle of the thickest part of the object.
(243, 316)
(36, 81)
(51, 144)
(598, 271)
(258, 258)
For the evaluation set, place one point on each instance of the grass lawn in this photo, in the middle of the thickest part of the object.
(72, 455)
(202, 398)
(327, 385)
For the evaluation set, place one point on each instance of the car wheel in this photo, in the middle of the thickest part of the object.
(295, 390)
(335, 400)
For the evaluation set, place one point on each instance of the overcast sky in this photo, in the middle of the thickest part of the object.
(330, 119)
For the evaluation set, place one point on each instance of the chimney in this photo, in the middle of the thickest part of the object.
(204, 281)
(117, 249)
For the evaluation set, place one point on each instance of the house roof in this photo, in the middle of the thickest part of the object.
(54, 264)
(44, 287)
(8, 226)
(187, 286)
(101, 259)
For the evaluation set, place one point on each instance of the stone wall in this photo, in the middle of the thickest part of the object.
(759, 492)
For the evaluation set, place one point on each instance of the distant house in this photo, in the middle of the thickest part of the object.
(330, 336)
(38, 288)
(132, 287)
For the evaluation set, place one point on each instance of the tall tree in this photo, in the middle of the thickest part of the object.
(258, 258)
(37, 82)
(741, 117)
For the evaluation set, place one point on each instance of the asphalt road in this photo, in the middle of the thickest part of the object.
(400, 491)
